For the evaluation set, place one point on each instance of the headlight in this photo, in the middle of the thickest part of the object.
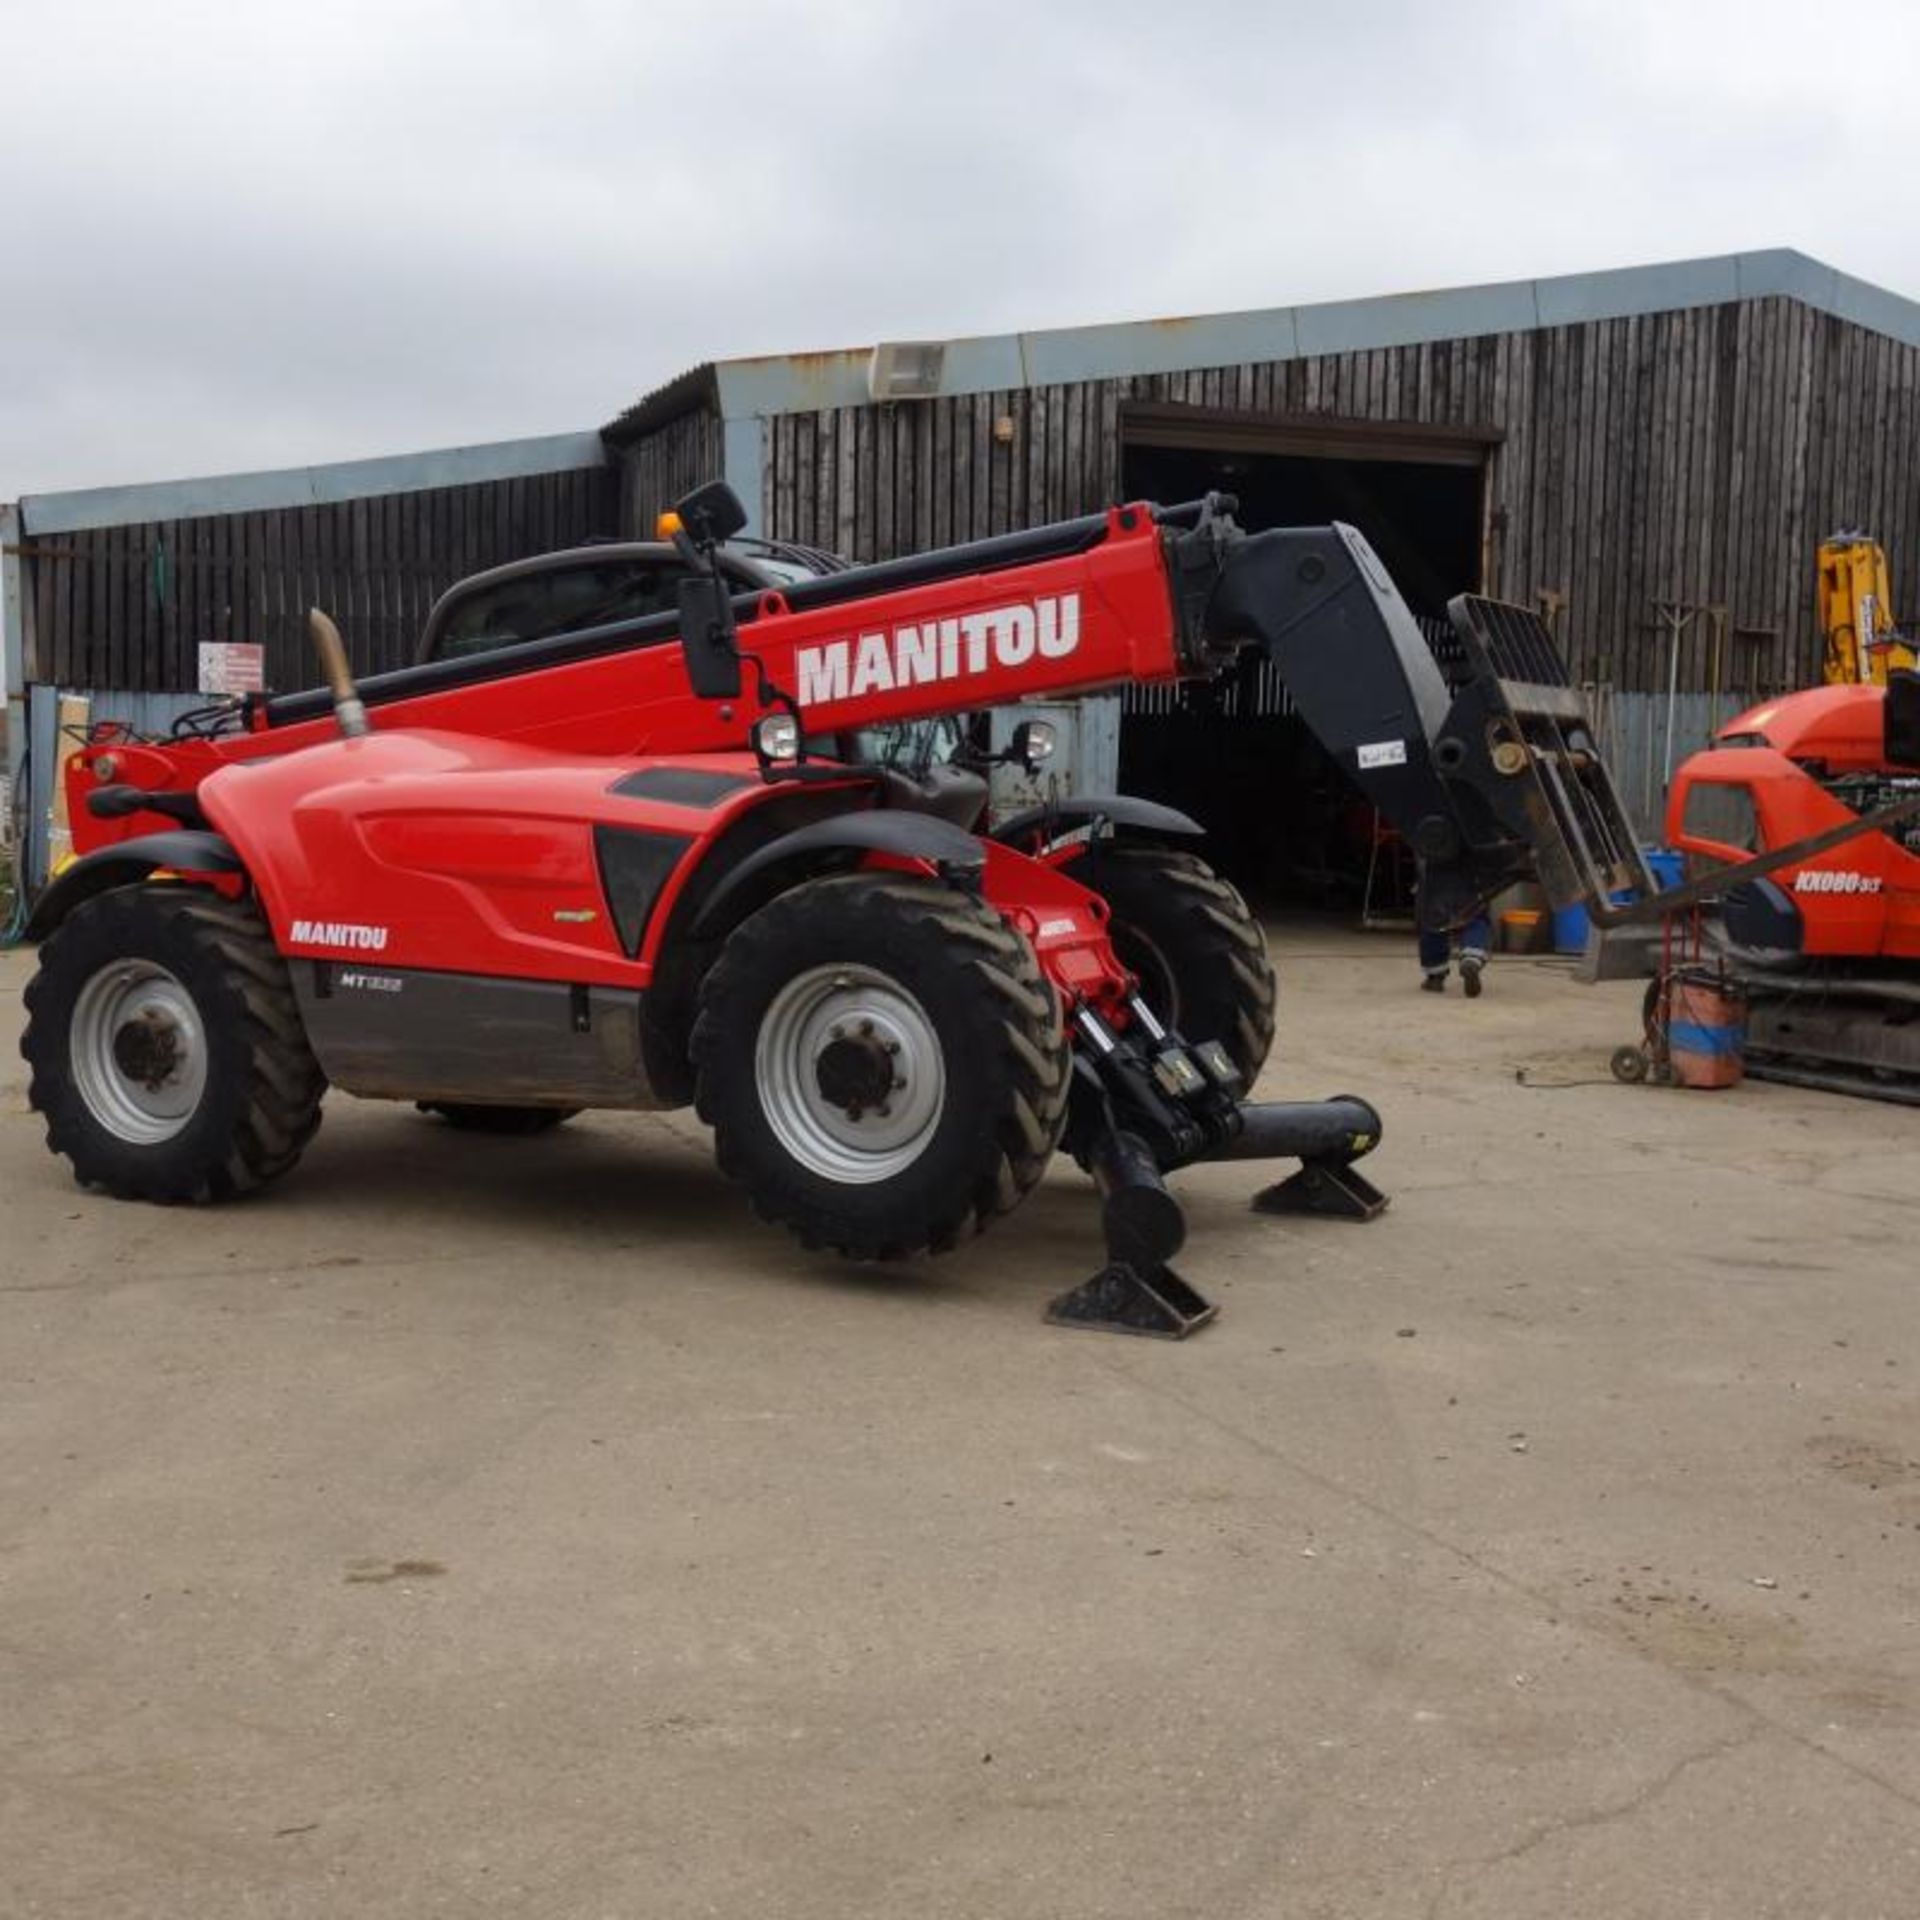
(1033, 742)
(776, 736)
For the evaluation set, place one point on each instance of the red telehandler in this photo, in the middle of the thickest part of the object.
(634, 866)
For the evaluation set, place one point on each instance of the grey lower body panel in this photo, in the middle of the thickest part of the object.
(398, 1034)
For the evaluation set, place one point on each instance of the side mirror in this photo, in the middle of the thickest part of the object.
(1902, 719)
(711, 514)
(707, 636)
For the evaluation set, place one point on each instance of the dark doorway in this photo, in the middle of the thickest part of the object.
(1283, 821)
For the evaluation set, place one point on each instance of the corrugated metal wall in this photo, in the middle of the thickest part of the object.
(1695, 456)
(1637, 731)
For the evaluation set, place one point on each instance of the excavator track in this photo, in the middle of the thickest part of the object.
(1848, 1034)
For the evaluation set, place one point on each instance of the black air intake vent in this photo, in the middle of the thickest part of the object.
(634, 868)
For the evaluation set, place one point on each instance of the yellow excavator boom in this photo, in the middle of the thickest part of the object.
(1856, 613)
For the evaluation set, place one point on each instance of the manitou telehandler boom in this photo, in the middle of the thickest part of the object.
(635, 866)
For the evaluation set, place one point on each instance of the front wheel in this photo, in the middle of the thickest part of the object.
(166, 1048)
(1200, 956)
(882, 1064)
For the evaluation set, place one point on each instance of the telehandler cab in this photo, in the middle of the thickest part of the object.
(630, 866)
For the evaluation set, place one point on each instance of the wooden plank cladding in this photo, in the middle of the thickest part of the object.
(666, 466)
(1696, 455)
(126, 607)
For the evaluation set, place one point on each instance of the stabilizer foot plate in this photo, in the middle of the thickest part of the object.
(1324, 1187)
(1120, 1299)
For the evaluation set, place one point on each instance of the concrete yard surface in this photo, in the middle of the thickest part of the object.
(478, 1527)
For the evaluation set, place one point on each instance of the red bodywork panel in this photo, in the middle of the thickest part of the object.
(1862, 898)
(1842, 727)
(453, 854)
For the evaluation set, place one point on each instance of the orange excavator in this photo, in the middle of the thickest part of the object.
(1826, 943)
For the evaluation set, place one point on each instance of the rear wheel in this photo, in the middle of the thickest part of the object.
(882, 1064)
(1199, 953)
(502, 1120)
(166, 1048)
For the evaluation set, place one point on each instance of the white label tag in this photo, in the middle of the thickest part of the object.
(1383, 753)
(232, 666)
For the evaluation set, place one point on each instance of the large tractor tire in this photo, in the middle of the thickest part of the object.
(1200, 955)
(166, 1049)
(882, 1064)
(512, 1121)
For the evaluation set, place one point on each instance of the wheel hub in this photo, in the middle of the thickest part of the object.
(855, 1071)
(851, 1073)
(147, 1049)
(138, 1051)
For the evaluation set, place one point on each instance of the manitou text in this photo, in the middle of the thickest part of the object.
(931, 651)
(339, 933)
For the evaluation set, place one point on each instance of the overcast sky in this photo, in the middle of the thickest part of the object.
(257, 235)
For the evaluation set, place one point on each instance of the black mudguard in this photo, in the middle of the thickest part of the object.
(914, 836)
(1037, 827)
(125, 863)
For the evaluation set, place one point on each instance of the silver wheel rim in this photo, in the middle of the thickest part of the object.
(835, 1014)
(138, 1052)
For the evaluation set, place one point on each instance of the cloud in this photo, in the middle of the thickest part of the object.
(257, 235)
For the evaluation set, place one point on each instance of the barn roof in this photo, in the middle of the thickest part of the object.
(985, 363)
(329, 484)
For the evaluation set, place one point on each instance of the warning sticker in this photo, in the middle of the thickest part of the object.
(232, 666)
(1383, 753)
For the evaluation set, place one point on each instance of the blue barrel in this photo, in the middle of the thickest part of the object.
(1666, 864)
(1570, 926)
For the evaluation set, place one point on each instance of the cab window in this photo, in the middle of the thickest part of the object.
(1723, 813)
(535, 606)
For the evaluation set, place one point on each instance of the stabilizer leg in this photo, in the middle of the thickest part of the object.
(1335, 1189)
(1119, 1300)
(1327, 1137)
(1136, 1291)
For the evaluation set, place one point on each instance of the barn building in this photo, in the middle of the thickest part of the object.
(1649, 455)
